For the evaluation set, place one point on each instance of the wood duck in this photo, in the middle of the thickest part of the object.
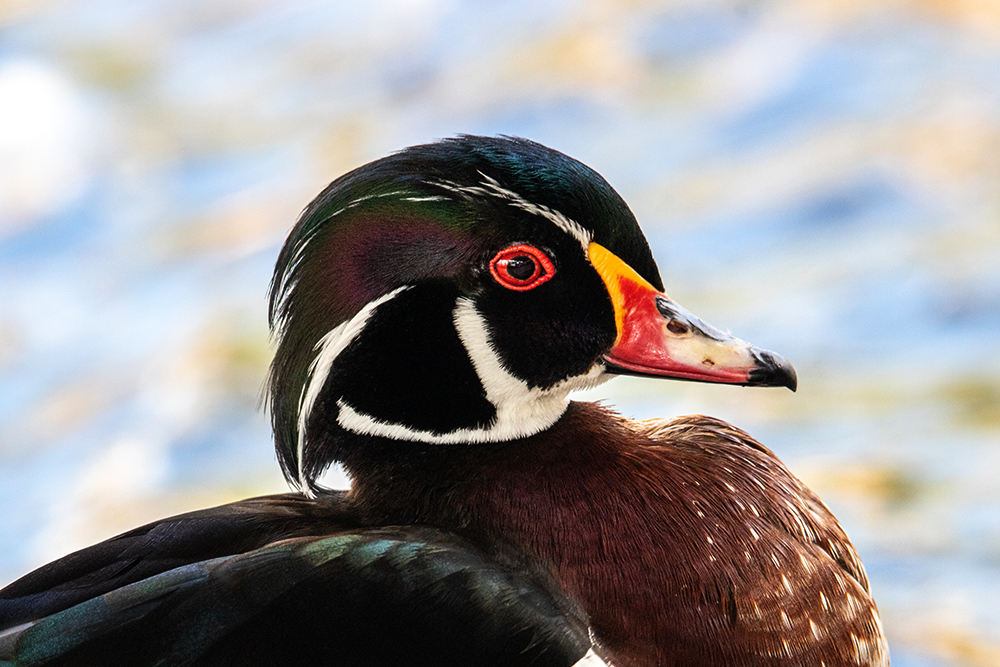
(432, 311)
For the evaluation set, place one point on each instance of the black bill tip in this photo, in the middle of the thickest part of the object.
(772, 370)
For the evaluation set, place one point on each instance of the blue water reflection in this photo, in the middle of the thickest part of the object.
(821, 179)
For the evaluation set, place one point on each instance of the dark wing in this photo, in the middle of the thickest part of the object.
(391, 596)
(167, 544)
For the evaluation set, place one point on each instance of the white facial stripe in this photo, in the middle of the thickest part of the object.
(591, 659)
(535, 409)
(359, 200)
(492, 188)
(431, 198)
(329, 346)
(521, 411)
(358, 422)
(452, 186)
(571, 227)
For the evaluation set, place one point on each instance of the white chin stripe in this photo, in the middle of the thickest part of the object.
(358, 422)
(521, 411)
(330, 346)
(591, 659)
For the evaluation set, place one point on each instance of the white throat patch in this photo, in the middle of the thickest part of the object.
(521, 410)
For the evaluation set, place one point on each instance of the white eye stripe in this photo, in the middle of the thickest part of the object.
(490, 187)
(571, 227)
(329, 347)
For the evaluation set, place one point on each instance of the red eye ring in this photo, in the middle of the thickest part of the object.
(521, 267)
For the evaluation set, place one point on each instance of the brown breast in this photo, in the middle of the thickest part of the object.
(687, 542)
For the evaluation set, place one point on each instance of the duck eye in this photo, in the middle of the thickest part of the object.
(521, 267)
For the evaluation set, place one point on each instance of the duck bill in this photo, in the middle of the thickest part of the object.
(659, 338)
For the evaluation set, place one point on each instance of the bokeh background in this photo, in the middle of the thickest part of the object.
(821, 177)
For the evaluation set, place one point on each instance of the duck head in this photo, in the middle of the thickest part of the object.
(457, 292)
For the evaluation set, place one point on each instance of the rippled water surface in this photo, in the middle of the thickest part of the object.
(821, 178)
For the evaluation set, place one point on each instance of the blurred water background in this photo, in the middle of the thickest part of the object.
(822, 177)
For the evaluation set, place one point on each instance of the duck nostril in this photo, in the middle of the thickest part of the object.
(675, 327)
(664, 307)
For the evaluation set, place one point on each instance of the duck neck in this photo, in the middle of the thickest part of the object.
(405, 385)
(544, 497)
(476, 488)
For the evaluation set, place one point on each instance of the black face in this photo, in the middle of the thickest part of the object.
(488, 239)
(552, 329)
(405, 367)
(546, 313)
